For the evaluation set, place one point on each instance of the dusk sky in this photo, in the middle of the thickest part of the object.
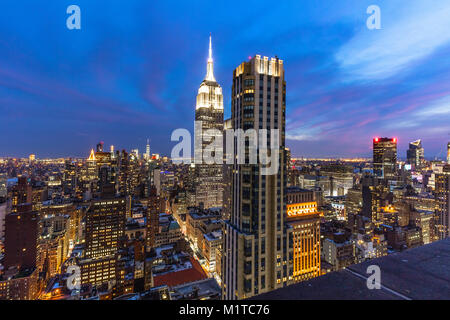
(134, 68)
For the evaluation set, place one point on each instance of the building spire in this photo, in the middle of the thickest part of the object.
(92, 156)
(210, 67)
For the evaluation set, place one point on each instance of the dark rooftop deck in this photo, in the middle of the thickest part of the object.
(419, 274)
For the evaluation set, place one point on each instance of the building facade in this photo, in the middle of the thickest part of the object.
(304, 220)
(385, 157)
(256, 254)
(208, 128)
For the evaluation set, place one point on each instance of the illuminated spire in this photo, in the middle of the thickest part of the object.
(210, 69)
(92, 156)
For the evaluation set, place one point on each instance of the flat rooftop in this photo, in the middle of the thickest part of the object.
(421, 273)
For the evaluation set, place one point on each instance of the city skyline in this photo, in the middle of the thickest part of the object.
(294, 151)
(346, 83)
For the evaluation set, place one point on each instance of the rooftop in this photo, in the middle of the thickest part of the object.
(421, 273)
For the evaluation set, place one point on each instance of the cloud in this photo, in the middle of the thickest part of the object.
(300, 137)
(438, 108)
(410, 32)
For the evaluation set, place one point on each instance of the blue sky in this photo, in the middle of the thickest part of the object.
(134, 68)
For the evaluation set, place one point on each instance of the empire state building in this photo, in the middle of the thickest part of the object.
(208, 128)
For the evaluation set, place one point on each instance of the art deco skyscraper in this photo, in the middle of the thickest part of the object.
(208, 115)
(384, 157)
(257, 257)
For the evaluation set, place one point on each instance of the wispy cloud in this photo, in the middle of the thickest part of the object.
(410, 32)
(438, 108)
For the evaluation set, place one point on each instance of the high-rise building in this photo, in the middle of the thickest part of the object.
(304, 220)
(21, 233)
(147, 155)
(227, 177)
(208, 117)
(375, 196)
(257, 256)
(153, 211)
(385, 157)
(89, 174)
(70, 176)
(442, 196)
(21, 193)
(448, 153)
(21, 229)
(3, 185)
(415, 154)
(105, 225)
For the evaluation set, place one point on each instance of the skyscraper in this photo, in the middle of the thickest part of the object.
(21, 229)
(304, 219)
(105, 224)
(385, 157)
(257, 256)
(442, 196)
(152, 222)
(448, 153)
(415, 154)
(147, 151)
(21, 193)
(208, 116)
(70, 177)
(3, 185)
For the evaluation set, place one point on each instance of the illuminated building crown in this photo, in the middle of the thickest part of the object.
(210, 92)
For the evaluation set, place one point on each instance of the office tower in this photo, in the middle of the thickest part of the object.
(100, 146)
(153, 211)
(227, 177)
(415, 154)
(70, 176)
(304, 220)
(21, 193)
(375, 195)
(90, 174)
(257, 256)
(442, 196)
(385, 157)
(3, 186)
(21, 229)
(102, 157)
(448, 153)
(3, 211)
(208, 115)
(354, 201)
(147, 155)
(123, 177)
(288, 166)
(105, 224)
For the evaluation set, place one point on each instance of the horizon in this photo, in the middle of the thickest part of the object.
(62, 91)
